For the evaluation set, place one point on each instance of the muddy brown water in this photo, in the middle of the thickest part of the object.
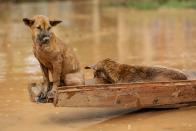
(154, 37)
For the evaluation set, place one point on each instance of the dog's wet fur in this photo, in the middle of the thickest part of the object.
(53, 55)
(109, 71)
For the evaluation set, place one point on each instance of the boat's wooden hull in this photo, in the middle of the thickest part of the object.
(135, 95)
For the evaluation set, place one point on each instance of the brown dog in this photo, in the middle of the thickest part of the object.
(109, 71)
(53, 55)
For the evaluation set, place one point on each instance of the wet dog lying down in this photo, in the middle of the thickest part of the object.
(108, 71)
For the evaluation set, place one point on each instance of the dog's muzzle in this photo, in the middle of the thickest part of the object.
(43, 38)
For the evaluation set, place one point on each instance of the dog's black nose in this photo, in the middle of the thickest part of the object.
(46, 39)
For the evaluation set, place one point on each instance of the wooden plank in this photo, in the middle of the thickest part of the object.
(136, 95)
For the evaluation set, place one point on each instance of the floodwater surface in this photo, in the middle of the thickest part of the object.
(155, 37)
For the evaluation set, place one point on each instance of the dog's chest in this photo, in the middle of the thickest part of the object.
(44, 57)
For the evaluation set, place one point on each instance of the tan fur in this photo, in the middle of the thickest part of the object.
(113, 72)
(55, 56)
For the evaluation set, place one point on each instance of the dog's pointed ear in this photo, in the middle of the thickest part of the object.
(55, 22)
(28, 22)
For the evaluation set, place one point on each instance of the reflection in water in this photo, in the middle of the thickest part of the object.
(148, 120)
(155, 37)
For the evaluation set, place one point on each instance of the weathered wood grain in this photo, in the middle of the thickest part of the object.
(136, 95)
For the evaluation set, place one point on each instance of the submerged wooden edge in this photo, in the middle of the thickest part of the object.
(164, 106)
(177, 105)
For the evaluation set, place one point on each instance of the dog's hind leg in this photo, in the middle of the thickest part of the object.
(76, 78)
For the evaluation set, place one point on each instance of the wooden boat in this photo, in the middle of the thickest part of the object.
(131, 95)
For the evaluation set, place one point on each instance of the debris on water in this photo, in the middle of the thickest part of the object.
(37, 93)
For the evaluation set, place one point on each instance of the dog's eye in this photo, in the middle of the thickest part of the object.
(39, 27)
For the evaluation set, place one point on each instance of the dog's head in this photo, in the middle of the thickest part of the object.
(101, 64)
(40, 27)
(99, 68)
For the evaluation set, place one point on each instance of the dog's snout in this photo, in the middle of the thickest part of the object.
(44, 37)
